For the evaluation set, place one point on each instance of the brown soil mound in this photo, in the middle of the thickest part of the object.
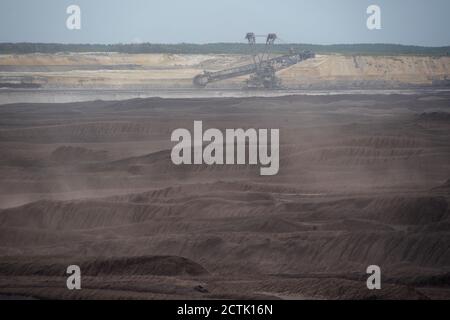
(133, 266)
(356, 187)
(77, 154)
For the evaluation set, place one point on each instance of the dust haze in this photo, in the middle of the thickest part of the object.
(364, 180)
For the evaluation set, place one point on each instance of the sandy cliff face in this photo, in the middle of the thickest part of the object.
(113, 70)
(337, 70)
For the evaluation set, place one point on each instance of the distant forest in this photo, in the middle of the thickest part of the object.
(223, 48)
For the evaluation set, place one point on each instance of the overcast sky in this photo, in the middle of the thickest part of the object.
(418, 22)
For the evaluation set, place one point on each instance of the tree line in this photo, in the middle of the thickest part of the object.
(223, 48)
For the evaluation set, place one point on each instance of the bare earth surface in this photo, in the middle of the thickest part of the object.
(161, 71)
(363, 180)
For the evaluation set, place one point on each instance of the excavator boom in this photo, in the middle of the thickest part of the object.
(278, 63)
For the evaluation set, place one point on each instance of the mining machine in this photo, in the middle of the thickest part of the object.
(262, 70)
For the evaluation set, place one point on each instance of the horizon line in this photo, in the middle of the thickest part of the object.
(213, 43)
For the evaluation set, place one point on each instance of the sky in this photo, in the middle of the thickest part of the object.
(410, 22)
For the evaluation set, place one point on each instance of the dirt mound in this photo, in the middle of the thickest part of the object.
(434, 116)
(159, 265)
(359, 155)
(386, 142)
(77, 154)
(443, 188)
(136, 208)
(82, 132)
(447, 184)
(73, 215)
(408, 211)
(356, 187)
(226, 190)
(133, 266)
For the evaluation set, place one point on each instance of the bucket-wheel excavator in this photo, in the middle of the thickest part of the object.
(263, 69)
